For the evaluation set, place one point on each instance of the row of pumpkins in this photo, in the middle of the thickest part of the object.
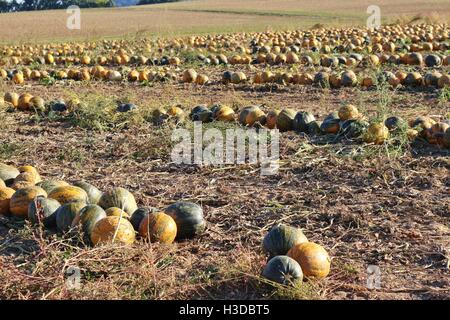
(386, 39)
(103, 217)
(292, 257)
(259, 55)
(324, 78)
(348, 121)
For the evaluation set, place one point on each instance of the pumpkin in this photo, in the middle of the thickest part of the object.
(18, 78)
(189, 75)
(437, 132)
(394, 123)
(413, 79)
(37, 104)
(189, 218)
(238, 77)
(24, 101)
(201, 79)
(349, 79)
(33, 171)
(43, 210)
(432, 60)
(313, 259)
(113, 75)
(119, 198)
(133, 75)
(335, 81)
(12, 98)
(93, 193)
(271, 119)
(322, 79)
(49, 185)
(284, 270)
(113, 230)
(19, 202)
(376, 133)
(8, 173)
(5, 198)
(301, 121)
(88, 217)
(175, 111)
(331, 124)
(281, 238)
(251, 114)
(348, 112)
(66, 214)
(69, 193)
(113, 211)
(224, 113)
(158, 227)
(139, 215)
(285, 120)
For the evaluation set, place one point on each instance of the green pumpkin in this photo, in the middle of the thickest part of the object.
(322, 79)
(313, 127)
(50, 185)
(301, 121)
(353, 128)
(283, 270)
(189, 219)
(43, 209)
(139, 215)
(285, 120)
(394, 123)
(120, 198)
(88, 217)
(93, 193)
(281, 238)
(66, 214)
(8, 173)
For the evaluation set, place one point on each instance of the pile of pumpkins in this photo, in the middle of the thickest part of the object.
(102, 217)
(292, 257)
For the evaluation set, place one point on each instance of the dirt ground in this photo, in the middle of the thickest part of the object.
(366, 206)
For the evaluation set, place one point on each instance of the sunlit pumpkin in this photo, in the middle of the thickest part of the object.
(113, 230)
(21, 199)
(312, 258)
(158, 227)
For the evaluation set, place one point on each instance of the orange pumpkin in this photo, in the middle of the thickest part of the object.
(313, 259)
(158, 227)
(19, 202)
(5, 197)
(113, 230)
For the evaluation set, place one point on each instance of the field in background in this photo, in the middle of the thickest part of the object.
(207, 16)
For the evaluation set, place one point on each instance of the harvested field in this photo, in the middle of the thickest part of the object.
(383, 202)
